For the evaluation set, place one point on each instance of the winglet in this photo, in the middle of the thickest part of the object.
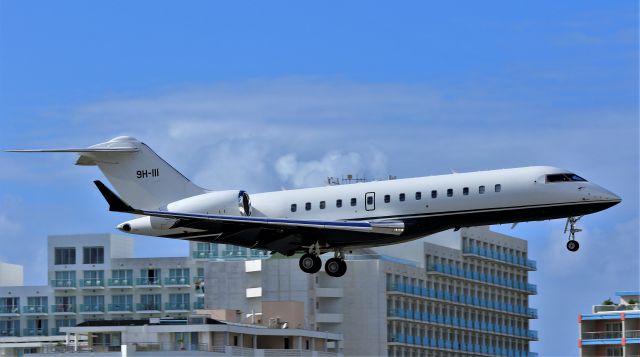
(116, 204)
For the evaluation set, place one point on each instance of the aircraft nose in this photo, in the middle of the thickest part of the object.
(607, 195)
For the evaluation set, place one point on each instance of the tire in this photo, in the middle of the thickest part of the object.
(310, 263)
(335, 267)
(573, 245)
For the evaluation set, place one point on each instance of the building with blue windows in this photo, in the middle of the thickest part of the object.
(612, 329)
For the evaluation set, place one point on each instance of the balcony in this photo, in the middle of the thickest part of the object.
(176, 307)
(615, 308)
(91, 283)
(198, 305)
(147, 308)
(180, 282)
(9, 333)
(120, 283)
(63, 284)
(10, 310)
(501, 257)
(328, 318)
(34, 310)
(462, 299)
(35, 332)
(91, 309)
(120, 308)
(482, 277)
(55, 331)
(63, 309)
(149, 282)
(204, 254)
(329, 292)
(456, 345)
(632, 334)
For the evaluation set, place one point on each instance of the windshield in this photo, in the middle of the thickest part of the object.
(568, 177)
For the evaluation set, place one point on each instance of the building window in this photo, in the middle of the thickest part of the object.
(434, 194)
(294, 207)
(307, 206)
(498, 188)
(353, 202)
(481, 189)
(418, 196)
(65, 256)
(323, 204)
(387, 198)
(465, 191)
(93, 255)
(449, 192)
(401, 197)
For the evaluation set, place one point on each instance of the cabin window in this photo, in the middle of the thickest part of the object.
(449, 192)
(323, 204)
(498, 188)
(465, 191)
(401, 197)
(434, 194)
(307, 206)
(481, 189)
(338, 203)
(353, 202)
(294, 207)
(387, 198)
(369, 200)
(418, 195)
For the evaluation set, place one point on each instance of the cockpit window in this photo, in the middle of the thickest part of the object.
(564, 178)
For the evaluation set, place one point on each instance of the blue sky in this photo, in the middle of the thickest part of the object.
(282, 94)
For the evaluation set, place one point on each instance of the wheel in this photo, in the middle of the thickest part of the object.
(310, 263)
(573, 245)
(335, 267)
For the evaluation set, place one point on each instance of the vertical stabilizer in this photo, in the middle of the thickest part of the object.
(140, 176)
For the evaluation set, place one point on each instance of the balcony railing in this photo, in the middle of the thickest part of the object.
(487, 278)
(120, 307)
(456, 345)
(601, 335)
(34, 309)
(632, 334)
(35, 332)
(10, 309)
(206, 254)
(63, 308)
(55, 331)
(63, 283)
(507, 258)
(148, 281)
(177, 306)
(462, 323)
(127, 283)
(92, 283)
(198, 305)
(177, 281)
(463, 299)
(616, 307)
(97, 308)
(147, 307)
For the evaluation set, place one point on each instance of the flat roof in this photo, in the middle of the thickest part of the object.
(627, 293)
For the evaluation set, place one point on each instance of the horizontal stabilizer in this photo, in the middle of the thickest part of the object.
(79, 150)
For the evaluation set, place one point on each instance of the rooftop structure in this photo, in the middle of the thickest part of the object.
(612, 329)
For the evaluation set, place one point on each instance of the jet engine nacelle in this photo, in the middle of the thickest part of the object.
(228, 203)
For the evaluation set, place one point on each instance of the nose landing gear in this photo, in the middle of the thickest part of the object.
(571, 228)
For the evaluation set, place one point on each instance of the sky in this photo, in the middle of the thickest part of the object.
(272, 95)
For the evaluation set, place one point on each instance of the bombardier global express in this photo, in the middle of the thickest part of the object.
(334, 218)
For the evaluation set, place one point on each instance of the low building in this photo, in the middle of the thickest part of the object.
(612, 329)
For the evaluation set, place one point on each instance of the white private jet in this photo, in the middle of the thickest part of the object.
(332, 218)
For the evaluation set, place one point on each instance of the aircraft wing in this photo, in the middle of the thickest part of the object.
(116, 204)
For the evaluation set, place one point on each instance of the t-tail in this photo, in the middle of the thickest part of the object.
(137, 173)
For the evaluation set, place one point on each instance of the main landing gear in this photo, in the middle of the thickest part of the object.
(570, 227)
(311, 263)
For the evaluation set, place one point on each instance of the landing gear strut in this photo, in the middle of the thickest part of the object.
(336, 266)
(570, 227)
(310, 262)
